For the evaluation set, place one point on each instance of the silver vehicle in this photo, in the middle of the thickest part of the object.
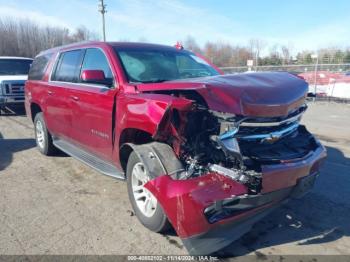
(13, 74)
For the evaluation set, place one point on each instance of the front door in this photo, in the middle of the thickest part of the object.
(92, 105)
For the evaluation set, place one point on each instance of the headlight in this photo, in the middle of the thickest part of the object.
(228, 125)
(227, 129)
(226, 140)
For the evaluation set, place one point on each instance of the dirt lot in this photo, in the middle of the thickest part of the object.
(56, 205)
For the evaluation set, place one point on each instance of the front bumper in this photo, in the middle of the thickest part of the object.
(211, 211)
(252, 209)
(11, 100)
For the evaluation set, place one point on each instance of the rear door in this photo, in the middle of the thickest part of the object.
(65, 74)
(92, 105)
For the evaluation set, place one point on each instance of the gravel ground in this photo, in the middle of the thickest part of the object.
(56, 205)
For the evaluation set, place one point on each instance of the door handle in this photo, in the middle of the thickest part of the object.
(50, 92)
(75, 98)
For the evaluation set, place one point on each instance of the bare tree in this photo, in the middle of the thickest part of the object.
(27, 38)
(191, 44)
(256, 46)
(23, 37)
(83, 34)
(287, 51)
(285, 54)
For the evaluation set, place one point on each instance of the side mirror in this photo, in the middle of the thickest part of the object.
(95, 77)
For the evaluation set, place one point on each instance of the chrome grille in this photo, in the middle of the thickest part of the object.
(13, 88)
(265, 129)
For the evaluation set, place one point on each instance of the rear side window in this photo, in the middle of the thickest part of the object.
(38, 68)
(68, 66)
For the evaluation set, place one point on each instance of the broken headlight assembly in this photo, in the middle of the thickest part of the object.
(211, 147)
(237, 146)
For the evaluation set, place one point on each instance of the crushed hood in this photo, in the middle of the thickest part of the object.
(267, 94)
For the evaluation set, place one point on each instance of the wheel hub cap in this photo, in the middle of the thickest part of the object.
(144, 199)
(40, 138)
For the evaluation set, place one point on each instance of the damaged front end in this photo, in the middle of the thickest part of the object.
(224, 172)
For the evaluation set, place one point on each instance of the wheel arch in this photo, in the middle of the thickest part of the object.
(34, 109)
(159, 158)
(130, 136)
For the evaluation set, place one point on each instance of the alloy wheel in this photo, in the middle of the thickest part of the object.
(144, 199)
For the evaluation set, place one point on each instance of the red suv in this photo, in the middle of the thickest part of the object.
(206, 153)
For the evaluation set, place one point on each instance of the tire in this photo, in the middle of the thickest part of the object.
(155, 219)
(42, 136)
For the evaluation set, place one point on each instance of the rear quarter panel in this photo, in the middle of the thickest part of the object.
(34, 89)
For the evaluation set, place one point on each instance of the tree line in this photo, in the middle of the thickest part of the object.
(26, 38)
(228, 55)
(23, 37)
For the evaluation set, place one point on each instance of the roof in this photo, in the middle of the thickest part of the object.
(15, 57)
(140, 45)
(114, 44)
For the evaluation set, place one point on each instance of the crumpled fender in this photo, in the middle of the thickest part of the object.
(184, 201)
(159, 158)
(146, 111)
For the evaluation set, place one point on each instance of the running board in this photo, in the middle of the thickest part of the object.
(100, 165)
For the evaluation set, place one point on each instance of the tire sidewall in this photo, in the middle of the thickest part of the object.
(158, 222)
(44, 149)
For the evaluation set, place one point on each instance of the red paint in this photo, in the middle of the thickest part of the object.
(258, 94)
(179, 46)
(83, 114)
(92, 75)
(286, 175)
(185, 200)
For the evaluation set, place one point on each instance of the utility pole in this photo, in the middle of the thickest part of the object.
(102, 10)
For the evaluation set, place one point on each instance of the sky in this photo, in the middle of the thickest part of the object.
(299, 24)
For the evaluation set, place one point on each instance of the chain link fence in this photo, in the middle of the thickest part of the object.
(296, 69)
(326, 89)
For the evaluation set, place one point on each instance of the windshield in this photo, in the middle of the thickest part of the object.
(14, 66)
(154, 66)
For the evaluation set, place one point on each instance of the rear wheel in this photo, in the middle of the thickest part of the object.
(145, 205)
(42, 136)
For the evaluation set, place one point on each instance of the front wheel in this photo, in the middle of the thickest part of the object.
(145, 205)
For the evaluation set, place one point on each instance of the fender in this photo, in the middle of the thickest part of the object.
(159, 158)
(146, 111)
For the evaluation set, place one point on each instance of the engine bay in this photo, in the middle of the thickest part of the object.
(236, 146)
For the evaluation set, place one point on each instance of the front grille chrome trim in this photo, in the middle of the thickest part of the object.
(266, 124)
(13, 88)
(273, 135)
